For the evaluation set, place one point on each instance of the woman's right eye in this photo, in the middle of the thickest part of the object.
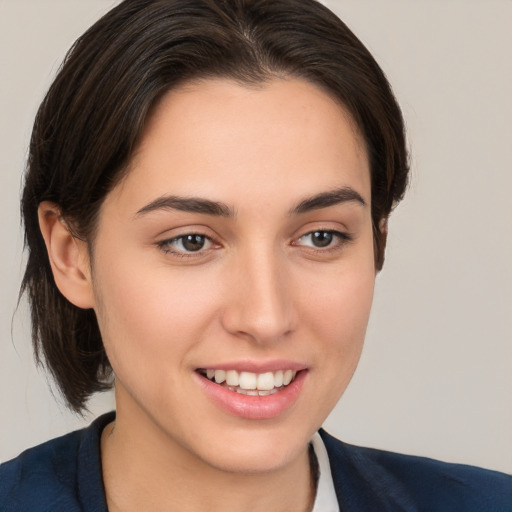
(186, 244)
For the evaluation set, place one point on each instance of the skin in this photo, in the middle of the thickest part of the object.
(259, 290)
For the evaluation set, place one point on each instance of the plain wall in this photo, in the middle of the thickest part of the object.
(435, 378)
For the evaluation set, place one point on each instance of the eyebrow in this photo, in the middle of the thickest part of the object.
(220, 209)
(188, 204)
(326, 199)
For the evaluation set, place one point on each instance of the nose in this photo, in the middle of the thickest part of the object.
(260, 306)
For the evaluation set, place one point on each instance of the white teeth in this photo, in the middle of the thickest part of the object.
(248, 380)
(249, 383)
(287, 377)
(232, 378)
(220, 376)
(266, 393)
(250, 392)
(266, 381)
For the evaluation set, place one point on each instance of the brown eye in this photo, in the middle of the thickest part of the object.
(193, 242)
(324, 239)
(185, 244)
(321, 238)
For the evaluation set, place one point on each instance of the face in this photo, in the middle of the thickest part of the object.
(239, 247)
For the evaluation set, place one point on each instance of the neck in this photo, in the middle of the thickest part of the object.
(145, 469)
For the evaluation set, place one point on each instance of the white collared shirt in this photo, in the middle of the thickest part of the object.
(325, 500)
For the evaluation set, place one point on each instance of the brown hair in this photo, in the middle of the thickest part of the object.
(95, 111)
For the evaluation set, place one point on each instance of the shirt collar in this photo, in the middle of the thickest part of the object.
(325, 500)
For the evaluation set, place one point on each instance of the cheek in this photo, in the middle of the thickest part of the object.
(338, 313)
(151, 312)
(340, 318)
(339, 322)
(339, 299)
(147, 313)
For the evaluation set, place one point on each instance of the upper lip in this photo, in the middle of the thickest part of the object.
(256, 366)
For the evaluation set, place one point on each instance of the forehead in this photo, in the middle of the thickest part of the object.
(217, 136)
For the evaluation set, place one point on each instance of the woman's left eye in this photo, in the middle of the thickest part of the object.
(189, 243)
(322, 238)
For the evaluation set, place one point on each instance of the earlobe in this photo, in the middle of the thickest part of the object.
(68, 257)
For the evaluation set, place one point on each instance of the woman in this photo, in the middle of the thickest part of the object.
(206, 209)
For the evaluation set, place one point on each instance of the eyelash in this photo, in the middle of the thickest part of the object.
(341, 240)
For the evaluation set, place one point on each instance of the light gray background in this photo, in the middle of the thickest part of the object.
(436, 374)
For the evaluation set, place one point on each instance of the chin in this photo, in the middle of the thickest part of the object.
(256, 460)
(252, 450)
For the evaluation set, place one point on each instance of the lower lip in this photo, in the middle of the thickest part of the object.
(254, 407)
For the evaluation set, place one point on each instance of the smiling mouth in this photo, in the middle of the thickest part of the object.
(249, 383)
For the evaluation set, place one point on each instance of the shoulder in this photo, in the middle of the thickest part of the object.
(47, 477)
(404, 482)
(41, 477)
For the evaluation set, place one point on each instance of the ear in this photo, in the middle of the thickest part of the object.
(69, 258)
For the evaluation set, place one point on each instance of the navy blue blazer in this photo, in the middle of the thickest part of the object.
(64, 475)
(367, 480)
